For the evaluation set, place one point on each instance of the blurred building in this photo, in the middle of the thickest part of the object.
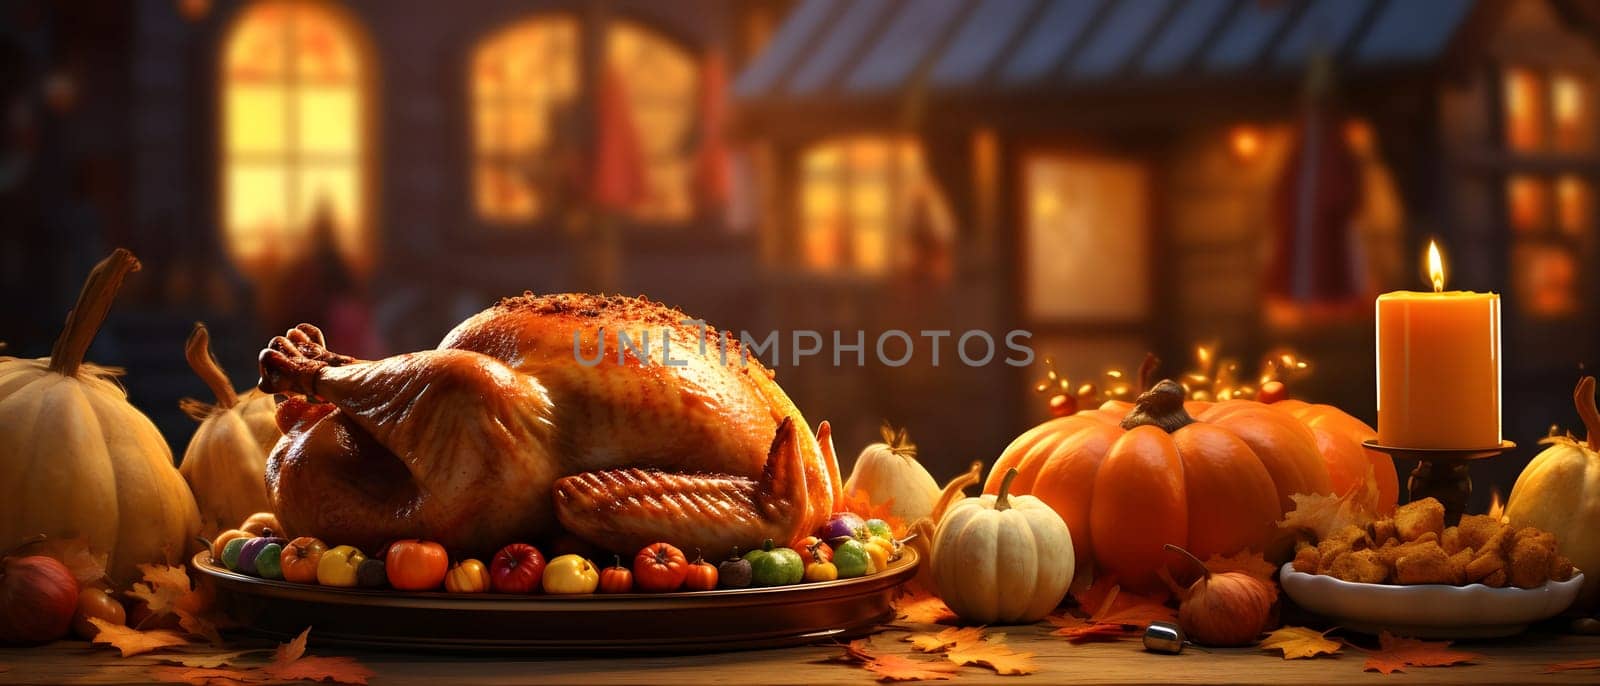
(1116, 177)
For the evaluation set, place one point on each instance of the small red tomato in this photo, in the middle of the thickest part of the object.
(702, 575)
(414, 565)
(812, 549)
(659, 568)
(517, 568)
(616, 578)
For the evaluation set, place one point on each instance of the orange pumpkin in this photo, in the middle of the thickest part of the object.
(1212, 477)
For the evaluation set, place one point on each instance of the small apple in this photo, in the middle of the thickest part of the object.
(38, 597)
(517, 568)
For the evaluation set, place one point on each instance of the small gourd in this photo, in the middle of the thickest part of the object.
(226, 461)
(76, 459)
(1002, 558)
(1559, 492)
(889, 472)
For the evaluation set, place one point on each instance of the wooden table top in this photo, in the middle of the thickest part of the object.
(1519, 660)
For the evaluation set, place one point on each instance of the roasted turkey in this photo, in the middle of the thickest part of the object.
(530, 419)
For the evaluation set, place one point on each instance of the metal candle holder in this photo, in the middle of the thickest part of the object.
(1441, 473)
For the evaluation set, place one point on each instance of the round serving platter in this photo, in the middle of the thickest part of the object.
(702, 621)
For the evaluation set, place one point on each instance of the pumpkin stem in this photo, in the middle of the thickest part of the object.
(94, 302)
(1205, 572)
(1583, 397)
(1161, 406)
(898, 440)
(1147, 369)
(198, 352)
(953, 490)
(1002, 502)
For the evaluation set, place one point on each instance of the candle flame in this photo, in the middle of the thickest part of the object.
(1435, 267)
(1497, 508)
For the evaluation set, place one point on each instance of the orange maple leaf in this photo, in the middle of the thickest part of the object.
(162, 588)
(1078, 630)
(1572, 666)
(1131, 609)
(922, 607)
(1323, 514)
(1299, 642)
(1394, 654)
(202, 676)
(994, 654)
(950, 637)
(1253, 563)
(860, 502)
(895, 667)
(133, 641)
(290, 663)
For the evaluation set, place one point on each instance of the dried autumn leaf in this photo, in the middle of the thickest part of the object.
(1085, 632)
(86, 566)
(1323, 514)
(162, 588)
(950, 637)
(209, 659)
(1132, 609)
(1394, 654)
(1252, 563)
(133, 641)
(995, 655)
(1298, 642)
(290, 663)
(203, 676)
(923, 608)
(895, 667)
(1572, 666)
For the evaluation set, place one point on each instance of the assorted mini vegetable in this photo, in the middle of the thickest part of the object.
(847, 547)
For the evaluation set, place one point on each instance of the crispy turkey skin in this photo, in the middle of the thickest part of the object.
(510, 431)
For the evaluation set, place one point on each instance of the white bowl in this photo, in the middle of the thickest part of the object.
(1428, 610)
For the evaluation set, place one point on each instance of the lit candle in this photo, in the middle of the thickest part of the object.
(1439, 366)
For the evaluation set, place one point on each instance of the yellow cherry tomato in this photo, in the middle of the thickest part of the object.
(571, 574)
(878, 554)
(821, 571)
(337, 567)
(468, 576)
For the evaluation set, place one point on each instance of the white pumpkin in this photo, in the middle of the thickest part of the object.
(1559, 491)
(77, 459)
(226, 461)
(889, 472)
(1002, 559)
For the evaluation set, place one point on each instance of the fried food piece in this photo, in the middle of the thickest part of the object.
(1353, 536)
(1561, 568)
(1531, 553)
(1485, 564)
(1427, 537)
(1423, 563)
(1383, 530)
(1419, 517)
(1450, 540)
(1495, 580)
(1476, 530)
(1458, 565)
(1361, 566)
(1499, 541)
(1307, 560)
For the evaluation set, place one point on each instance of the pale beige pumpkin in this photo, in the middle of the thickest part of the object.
(1559, 491)
(888, 473)
(1002, 558)
(226, 461)
(77, 459)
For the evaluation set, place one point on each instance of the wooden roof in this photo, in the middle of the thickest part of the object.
(850, 49)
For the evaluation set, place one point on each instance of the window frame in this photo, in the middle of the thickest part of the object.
(547, 231)
(366, 160)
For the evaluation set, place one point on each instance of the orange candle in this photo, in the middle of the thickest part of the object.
(1439, 366)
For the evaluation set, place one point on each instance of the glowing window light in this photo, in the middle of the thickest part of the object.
(294, 98)
(1524, 109)
(1244, 142)
(524, 79)
(860, 202)
(1569, 108)
(661, 80)
(1527, 203)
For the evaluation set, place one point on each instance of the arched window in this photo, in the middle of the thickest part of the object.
(662, 83)
(525, 80)
(294, 146)
(867, 206)
(526, 85)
